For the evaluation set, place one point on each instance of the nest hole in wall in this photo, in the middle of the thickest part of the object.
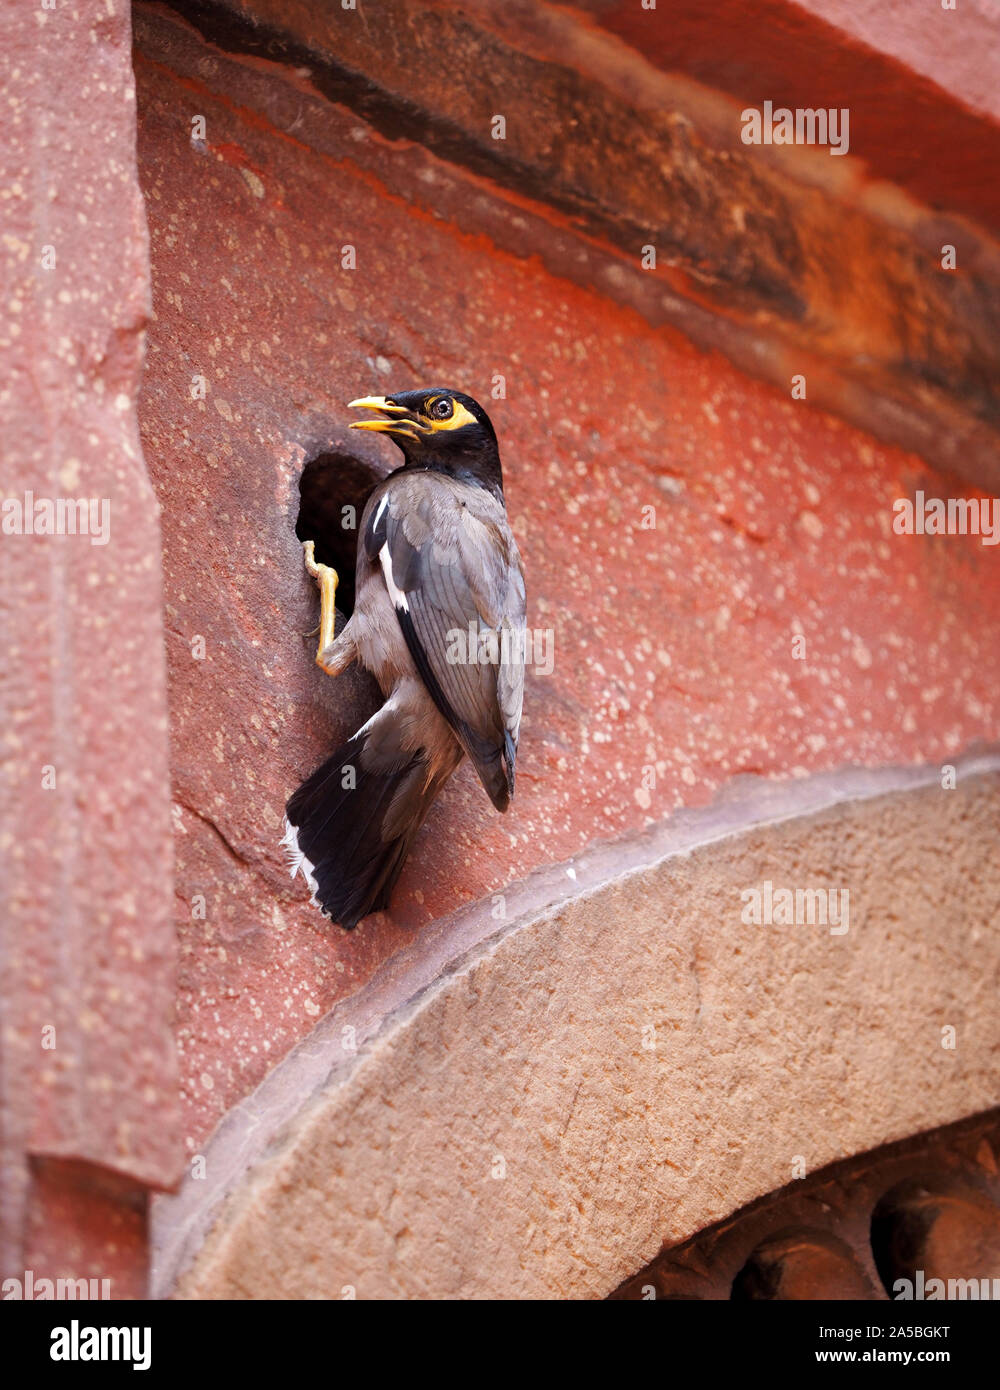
(333, 490)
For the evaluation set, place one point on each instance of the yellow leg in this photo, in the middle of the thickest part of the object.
(326, 578)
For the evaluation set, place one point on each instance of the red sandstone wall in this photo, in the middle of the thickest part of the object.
(715, 560)
(675, 645)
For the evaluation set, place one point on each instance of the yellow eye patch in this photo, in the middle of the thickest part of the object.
(460, 416)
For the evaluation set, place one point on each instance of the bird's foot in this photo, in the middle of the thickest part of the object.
(326, 578)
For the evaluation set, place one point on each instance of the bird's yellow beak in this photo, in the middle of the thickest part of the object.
(386, 407)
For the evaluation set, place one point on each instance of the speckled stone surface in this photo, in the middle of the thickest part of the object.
(86, 927)
(715, 560)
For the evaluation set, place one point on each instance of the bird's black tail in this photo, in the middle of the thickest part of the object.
(349, 826)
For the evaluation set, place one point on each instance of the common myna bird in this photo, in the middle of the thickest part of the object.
(439, 620)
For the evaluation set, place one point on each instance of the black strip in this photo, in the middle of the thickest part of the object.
(398, 118)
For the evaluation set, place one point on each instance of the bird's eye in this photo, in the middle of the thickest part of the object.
(442, 409)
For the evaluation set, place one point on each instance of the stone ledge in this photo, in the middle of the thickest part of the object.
(786, 260)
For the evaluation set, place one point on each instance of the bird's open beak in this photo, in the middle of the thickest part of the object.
(392, 424)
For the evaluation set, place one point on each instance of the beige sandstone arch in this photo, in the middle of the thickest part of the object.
(504, 1132)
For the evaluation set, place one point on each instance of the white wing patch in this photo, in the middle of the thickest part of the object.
(397, 595)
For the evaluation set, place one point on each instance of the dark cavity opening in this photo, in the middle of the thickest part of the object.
(333, 490)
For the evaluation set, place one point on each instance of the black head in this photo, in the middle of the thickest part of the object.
(440, 429)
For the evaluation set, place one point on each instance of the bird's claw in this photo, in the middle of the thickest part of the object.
(326, 578)
(309, 555)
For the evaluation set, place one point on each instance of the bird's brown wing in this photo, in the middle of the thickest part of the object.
(454, 574)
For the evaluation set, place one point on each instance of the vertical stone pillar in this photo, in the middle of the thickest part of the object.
(87, 1078)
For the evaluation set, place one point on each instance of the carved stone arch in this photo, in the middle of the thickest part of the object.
(621, 1065)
